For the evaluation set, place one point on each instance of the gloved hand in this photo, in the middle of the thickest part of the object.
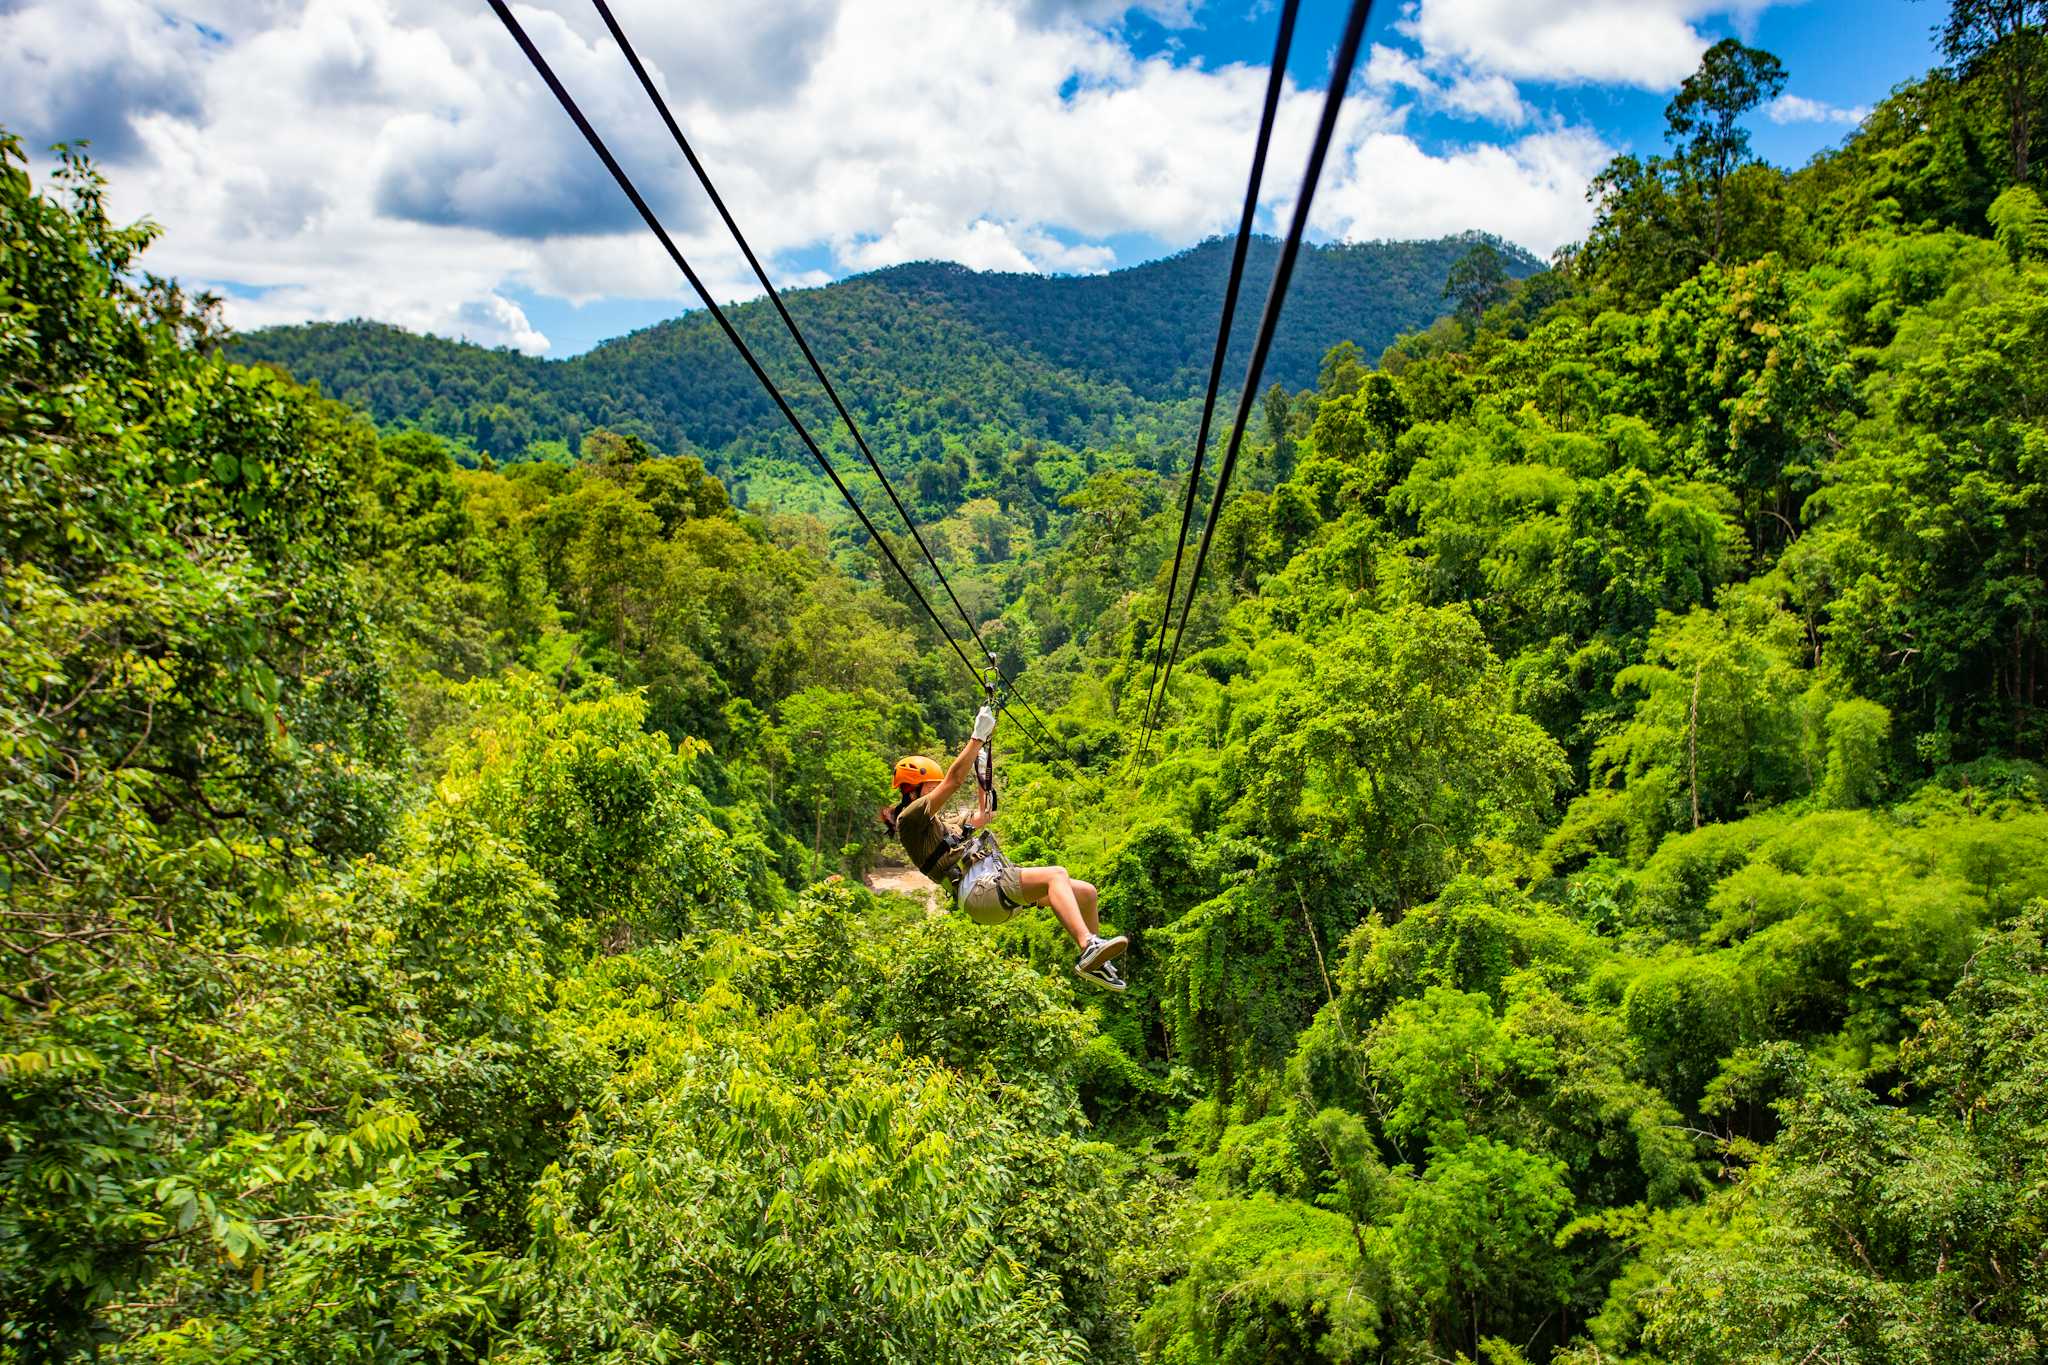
(984, 723)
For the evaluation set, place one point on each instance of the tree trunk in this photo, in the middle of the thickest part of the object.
(1692, 744)
(2019, 94)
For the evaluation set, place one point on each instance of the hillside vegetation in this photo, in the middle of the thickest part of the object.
(1589, 897)
(937, 361)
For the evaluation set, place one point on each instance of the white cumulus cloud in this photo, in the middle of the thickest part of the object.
(1649, 44)
(1798, 109)
(1530, 191)
(398, 159)
(496, 321)
(93, 70)
(1445, 85)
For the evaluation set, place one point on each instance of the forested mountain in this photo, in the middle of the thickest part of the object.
(1589, 890)
(1152, 327)
(929, 355)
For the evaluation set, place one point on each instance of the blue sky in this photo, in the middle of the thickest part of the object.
(1842, 53)
(394, 159)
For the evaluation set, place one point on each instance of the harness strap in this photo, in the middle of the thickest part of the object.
(945, 850)
(984, 845)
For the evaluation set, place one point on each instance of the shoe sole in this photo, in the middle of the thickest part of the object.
(1105, 985)
(1111, 950)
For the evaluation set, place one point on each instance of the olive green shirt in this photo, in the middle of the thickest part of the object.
(923, 836)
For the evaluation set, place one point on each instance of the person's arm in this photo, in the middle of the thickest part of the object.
(982, 814)
(963, 764)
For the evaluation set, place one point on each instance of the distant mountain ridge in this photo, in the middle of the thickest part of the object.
(921, 352)
(1369, 293)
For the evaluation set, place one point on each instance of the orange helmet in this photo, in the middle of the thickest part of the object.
(915, 771)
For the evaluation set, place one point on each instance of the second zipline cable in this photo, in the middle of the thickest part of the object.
(1276, 76)
(1276, 298)
(597, 144)
(675, 130)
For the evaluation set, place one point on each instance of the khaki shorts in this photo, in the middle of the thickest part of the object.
(984, 886)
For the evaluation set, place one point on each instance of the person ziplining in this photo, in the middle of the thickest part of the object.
(985, 884)
(968, 860)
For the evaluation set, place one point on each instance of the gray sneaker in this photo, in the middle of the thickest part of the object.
(1100, 950)
(1103, 974)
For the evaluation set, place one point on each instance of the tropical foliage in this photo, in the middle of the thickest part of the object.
(948, 364)
(1588, 892)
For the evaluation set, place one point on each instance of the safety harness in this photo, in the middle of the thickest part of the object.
(961, 849)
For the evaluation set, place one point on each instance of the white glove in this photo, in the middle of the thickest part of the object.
(984, 723)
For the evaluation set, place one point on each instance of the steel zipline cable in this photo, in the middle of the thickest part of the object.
(597, 144)
(1276, 298)
(1275, 78)
(796, 334)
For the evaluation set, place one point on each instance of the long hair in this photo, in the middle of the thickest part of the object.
(889, 814)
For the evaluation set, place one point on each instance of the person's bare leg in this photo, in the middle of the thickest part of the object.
(1085, 896)
(1052, 886)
